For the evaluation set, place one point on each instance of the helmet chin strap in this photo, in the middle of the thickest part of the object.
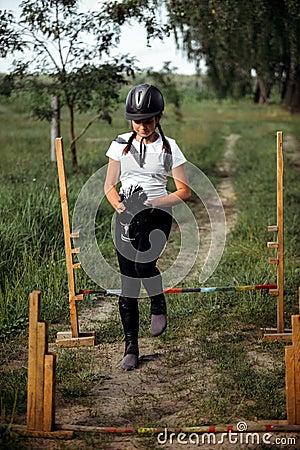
(142, 152)
(143, 149)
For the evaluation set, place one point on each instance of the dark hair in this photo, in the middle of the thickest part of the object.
(129, 143)
(166, 144)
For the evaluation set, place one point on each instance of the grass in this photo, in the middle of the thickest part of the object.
(223, 371)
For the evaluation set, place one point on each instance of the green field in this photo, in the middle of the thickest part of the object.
(222, 327)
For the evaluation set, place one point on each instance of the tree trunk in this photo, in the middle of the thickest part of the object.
(291, 99)
(55, 124)
(72, 137)
(262, 91)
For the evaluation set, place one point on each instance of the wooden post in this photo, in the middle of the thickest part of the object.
(74, 338)
(296, 346)
(290, 384)
(49, 391)
(39, 367)
(34, 312)
(292, 378)
(41, 374)
(280, 236)
(278, 245)
(67, 235)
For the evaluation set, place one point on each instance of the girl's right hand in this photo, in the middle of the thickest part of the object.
(120, 208)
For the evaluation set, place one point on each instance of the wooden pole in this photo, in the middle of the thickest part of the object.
(290, 384)
(278, 333)
(49, 392)
(280, 236)
(74, 337)
(41, 372)
(67, 236)
(66, 431)
(39, 387)
(296, 347)
(34, 312)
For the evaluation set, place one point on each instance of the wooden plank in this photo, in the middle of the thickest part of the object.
(280, 337)
(296, 346)
(273, 260)
(272, 228)
(280, 235)
(290, 385)
(65, 339)
(34, 314)
(272, 244)
(67, 234)
(49, 392)
(39, 387)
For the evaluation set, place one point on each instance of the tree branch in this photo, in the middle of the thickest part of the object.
(84, 130)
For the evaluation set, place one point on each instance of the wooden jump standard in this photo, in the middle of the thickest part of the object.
(73, 338)
(278, 334)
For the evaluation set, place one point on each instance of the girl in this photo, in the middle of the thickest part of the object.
(142, 160)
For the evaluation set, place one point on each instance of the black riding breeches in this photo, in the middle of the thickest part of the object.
(138, 256)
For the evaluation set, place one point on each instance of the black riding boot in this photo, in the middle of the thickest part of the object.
(158, 314)
(129, 313)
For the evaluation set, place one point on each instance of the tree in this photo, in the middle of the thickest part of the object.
(236, 38)
(68, 47)
(291, 91)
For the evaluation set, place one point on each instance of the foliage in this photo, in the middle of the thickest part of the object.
(235, 38)
(56, 34)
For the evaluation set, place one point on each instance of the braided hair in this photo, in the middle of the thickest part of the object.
(129, 143)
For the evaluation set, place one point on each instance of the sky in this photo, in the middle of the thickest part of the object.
(133, 41)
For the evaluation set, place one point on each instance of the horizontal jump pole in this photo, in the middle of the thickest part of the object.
(65, 431)
(143, 431)
(257, 287)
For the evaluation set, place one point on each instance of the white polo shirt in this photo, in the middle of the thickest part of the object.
(152, 177)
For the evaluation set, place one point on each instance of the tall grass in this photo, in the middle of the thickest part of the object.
(32, 245)
(32, 249)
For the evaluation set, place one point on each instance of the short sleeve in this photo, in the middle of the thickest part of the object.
(178, 157)
(114, 151)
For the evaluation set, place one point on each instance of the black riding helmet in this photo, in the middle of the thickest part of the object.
(144, 101)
